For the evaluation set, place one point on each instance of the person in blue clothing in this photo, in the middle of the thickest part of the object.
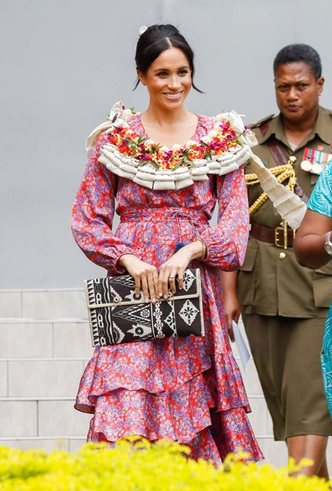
(313, 249)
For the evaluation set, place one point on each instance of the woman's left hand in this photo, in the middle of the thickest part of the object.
(175, 266)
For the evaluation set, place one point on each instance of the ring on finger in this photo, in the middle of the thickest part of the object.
(171, 277)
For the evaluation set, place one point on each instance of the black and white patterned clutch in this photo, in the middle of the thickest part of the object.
(116, 316)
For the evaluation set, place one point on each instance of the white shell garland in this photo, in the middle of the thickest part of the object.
(287, 203)
(147, 175)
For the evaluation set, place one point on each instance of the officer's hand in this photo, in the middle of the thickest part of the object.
(232, 311)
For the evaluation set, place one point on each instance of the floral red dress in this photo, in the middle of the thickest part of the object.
(188, 390)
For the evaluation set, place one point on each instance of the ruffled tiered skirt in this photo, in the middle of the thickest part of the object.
(187, 390)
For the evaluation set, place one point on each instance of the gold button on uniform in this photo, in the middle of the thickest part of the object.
(282, 255)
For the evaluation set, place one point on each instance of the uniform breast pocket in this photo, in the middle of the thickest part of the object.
(322, 286)
(246, 278)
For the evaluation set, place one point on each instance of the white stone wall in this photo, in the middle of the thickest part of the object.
(65, 62)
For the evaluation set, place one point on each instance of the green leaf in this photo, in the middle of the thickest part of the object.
(186, 160)
(181, 162)
(141, 139)
(155, 147)
(241, 141)
(143, 162)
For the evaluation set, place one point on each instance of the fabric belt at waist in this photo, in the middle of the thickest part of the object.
(275, 236)
(161, 214)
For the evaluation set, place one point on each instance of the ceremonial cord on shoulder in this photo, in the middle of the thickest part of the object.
(282, 172)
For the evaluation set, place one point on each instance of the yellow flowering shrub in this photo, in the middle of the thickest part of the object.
(160, 467)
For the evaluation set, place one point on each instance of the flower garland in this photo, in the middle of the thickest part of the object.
(146, 151)
(225, 148)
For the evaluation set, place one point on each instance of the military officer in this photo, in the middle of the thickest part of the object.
(284, 305)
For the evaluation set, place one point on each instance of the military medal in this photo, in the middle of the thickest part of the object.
(316, 169)
(306, 165)
(315, 160)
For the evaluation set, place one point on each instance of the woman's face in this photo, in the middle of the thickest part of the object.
(168, 79)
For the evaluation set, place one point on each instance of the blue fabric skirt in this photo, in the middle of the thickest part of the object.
(326, 359)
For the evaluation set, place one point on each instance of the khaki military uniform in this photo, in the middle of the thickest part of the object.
(283, 303)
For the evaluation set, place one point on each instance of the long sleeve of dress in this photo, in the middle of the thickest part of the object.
(227, 241)
(93, 213)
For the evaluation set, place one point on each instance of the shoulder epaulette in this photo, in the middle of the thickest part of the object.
(257, 124)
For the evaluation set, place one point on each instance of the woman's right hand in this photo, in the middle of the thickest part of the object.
(144, 274)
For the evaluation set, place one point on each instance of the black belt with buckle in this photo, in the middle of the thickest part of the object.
(279, 236)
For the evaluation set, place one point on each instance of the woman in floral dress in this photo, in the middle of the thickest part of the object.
(188, 389)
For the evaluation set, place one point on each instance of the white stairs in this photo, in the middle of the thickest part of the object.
(45, 344)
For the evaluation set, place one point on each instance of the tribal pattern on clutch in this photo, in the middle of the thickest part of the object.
(117, 316)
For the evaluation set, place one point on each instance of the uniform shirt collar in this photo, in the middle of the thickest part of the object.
(322, 128)
(323, 125)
